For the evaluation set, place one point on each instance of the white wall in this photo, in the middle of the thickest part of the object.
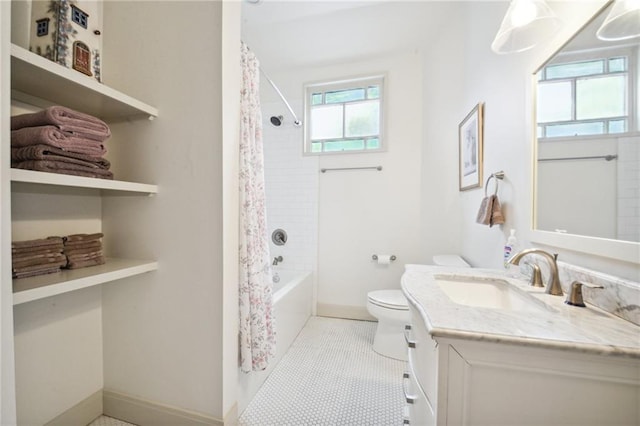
(362, 213)
(503, 83)
(444, 68)
(163, 331)
(369, 212)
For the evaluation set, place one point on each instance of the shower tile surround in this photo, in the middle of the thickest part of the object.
(291, 185)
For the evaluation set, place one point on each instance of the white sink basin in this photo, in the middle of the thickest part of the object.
(487, 293)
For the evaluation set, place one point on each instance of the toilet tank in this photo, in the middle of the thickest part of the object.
(450, 260)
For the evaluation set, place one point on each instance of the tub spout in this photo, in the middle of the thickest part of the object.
(277, 260)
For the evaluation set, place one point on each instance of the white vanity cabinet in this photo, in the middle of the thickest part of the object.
(467, 381)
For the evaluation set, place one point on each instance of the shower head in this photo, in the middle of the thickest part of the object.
(277, 120)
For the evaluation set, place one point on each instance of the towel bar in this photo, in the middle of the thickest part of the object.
(378, 168)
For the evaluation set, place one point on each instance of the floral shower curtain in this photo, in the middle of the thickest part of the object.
(257, 334)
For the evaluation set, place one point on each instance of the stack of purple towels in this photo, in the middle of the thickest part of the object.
(37, 257)
(83, 250)
(60, 140)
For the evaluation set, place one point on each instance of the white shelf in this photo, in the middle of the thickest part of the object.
(41, 78)
(35, 288)
(43, 178)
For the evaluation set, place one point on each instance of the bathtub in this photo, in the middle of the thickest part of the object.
(292, 304)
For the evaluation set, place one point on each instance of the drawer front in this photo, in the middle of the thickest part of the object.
(419, 410)
(423, 356)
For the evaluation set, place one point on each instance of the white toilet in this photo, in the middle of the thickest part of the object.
(391, 309)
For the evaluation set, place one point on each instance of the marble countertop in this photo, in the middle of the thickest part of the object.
(556, 325)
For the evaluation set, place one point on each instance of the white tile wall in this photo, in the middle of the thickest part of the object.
(629, 188)
(291, 189)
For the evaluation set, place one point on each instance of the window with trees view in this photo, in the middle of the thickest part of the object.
(570, 97)
(344, 116)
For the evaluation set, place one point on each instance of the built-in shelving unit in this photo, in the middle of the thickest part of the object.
(33, 76)
(38, 81)
(106, 185)
(35, 288)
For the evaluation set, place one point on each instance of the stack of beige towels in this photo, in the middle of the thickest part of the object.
(47, 255)
(60, 140)
(37, 257)
(83, 250)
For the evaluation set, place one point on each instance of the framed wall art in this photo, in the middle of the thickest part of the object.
(470, 149)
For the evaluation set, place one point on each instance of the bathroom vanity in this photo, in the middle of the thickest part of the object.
(486, 349)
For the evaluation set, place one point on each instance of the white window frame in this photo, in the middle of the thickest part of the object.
(632, 64)
(344, 84)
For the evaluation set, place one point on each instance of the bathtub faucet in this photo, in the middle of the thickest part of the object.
(277, 260)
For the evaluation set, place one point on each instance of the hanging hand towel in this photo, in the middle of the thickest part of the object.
(496, 212)
(484, 213)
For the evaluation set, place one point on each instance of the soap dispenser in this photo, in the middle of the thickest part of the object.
(510, 248)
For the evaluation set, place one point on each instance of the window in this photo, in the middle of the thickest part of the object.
(344, 116)
(42, 27)
(79, 17)
(570, 97)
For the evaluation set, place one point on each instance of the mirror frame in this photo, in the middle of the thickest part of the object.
(627, 251)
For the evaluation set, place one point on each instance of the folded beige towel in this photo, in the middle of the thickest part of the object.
(52, 136)
(26, 253)
(50, 153)
(67, 120)
(63, 167)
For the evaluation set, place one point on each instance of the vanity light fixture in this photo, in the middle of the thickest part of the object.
(527, 23)
(623, 21)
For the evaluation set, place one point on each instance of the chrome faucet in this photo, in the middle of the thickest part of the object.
(553, 286)
(277, 260)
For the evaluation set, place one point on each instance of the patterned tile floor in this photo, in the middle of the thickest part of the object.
(331, 376)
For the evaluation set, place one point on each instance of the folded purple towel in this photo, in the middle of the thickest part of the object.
(69, 239)
(61, 262)
(49, 242)
(38, 272)
(52, 136)
(63, 167)
(84, 263)
(48, 261)
(81, 251)
(66, 119)
(45, 152)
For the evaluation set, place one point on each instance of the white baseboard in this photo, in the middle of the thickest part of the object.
(231, 418)
(82, 413)
(344, 311)
(148, 413)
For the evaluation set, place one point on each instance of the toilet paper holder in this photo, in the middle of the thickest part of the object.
(375, 257)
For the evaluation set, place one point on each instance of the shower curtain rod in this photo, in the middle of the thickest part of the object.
(295, 118)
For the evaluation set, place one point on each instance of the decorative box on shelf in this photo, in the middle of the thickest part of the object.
(68, 32)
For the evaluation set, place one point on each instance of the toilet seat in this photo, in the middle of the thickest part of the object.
(388, 299)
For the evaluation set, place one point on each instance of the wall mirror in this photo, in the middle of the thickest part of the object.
(587, 153)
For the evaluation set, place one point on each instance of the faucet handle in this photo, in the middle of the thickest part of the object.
(536, 276)
(574, 297)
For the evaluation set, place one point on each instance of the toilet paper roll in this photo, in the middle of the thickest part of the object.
(384, 259)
